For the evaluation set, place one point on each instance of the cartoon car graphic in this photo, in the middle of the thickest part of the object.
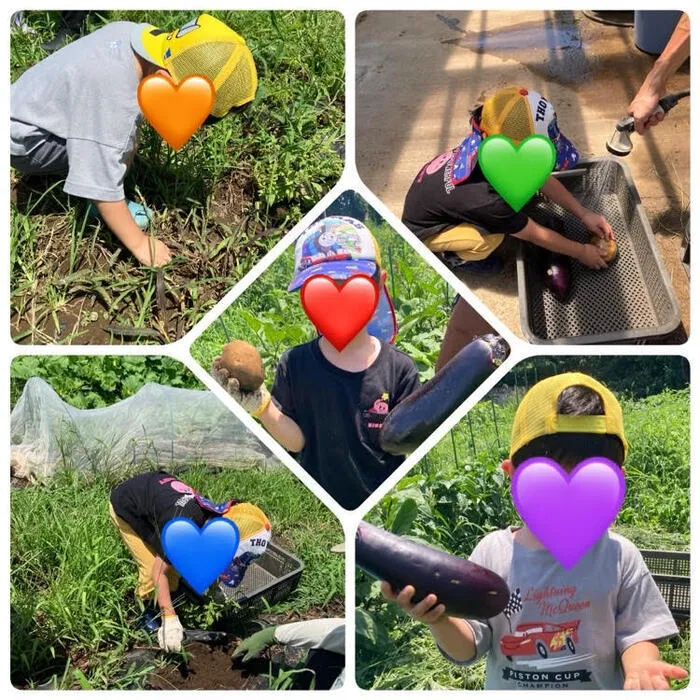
(540, 638)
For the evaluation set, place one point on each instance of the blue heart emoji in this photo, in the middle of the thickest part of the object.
(200, 555)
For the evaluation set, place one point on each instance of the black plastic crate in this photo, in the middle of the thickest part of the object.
(631, 300)
(273, 576)
(671, 572)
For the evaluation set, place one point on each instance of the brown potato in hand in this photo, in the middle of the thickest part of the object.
(608, 249)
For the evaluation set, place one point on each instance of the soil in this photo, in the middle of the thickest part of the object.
(210, 667)
(107, 298)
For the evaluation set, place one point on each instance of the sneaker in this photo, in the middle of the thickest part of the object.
(150, 619)
(489, 266)
(141, 214)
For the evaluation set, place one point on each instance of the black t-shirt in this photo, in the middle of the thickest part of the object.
(148, 501)
(340, 414)
(434, 204)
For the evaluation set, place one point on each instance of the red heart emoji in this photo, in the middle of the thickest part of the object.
(339, 312)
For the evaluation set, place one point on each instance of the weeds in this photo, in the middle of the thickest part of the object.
(220, 202)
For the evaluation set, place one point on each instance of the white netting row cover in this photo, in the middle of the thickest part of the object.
(159, 424)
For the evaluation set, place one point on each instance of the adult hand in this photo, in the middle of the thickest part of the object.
(253, 646)
(652, 674)
(254, 402)
(597, 225)
(643, 109)
(425, 611)
(591, 256)
(170, 634)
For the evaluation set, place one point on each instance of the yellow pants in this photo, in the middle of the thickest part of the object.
(144, 556)
(465, 241)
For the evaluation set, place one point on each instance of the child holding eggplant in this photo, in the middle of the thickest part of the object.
(454, 210)
(594, 626)
(327, 406)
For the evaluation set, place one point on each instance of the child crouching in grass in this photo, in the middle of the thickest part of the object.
(327, 406)
(76, 113)
(595, 626)
(141, 507)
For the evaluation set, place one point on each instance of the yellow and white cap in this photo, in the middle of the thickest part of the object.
(255, 534)
(537, 415)
(204, 46)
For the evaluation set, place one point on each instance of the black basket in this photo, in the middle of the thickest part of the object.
(274, 577)
(630, 300)
(671, 572)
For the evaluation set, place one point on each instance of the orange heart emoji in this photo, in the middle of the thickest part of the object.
(176, 111)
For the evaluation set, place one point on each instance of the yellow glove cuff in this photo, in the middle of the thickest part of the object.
(266, 398)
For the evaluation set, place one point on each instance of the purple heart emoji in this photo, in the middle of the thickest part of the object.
(568, 513)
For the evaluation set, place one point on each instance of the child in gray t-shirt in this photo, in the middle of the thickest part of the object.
(594, 626)
(76, 113)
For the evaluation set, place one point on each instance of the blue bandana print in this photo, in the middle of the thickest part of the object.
(465, 157)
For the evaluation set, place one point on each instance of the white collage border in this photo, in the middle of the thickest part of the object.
(349, 180)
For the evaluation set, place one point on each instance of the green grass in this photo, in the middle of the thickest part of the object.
(72, 579)
(273, 320)
(220, 202)
(458, 493)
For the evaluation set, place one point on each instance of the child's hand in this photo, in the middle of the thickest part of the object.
(652, 674)
(597, 225)
(152, 252)
(591, 256)
(425, 611)
(254, 402)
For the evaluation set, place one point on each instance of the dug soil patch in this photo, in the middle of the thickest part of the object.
(210, 667)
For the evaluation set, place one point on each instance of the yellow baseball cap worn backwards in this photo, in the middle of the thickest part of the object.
(537, 413)
(207, 47)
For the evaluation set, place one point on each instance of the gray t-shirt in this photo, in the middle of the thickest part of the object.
(85, 94)
(566, 629)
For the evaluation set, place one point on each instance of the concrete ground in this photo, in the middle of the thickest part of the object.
(419, 73)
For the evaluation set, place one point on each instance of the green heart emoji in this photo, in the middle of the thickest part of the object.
(517, 172)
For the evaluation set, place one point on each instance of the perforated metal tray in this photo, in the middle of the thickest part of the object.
(630, 300)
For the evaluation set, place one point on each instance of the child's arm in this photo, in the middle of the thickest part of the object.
(587, 254)
(118, 218)
(452, 634)
(595, 223)
(160, 581)
(282, 428)
(171, 632)
(644, 670)
(260, 405)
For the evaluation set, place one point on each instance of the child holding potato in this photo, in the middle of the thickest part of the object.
(327, 405)
(454, 210)
(594, 626)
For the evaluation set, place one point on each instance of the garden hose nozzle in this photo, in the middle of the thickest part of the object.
(620, 143)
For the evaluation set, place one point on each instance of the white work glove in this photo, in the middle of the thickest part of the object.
(171, 634)
(254, 402)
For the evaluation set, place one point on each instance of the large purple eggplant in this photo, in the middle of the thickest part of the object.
(418, 415)
(464, 588)
(557, 276)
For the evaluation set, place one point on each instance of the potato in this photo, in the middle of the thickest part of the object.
(608, 249)
(244, 363)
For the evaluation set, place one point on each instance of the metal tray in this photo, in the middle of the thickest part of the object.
(632, 299)
(274, 577)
